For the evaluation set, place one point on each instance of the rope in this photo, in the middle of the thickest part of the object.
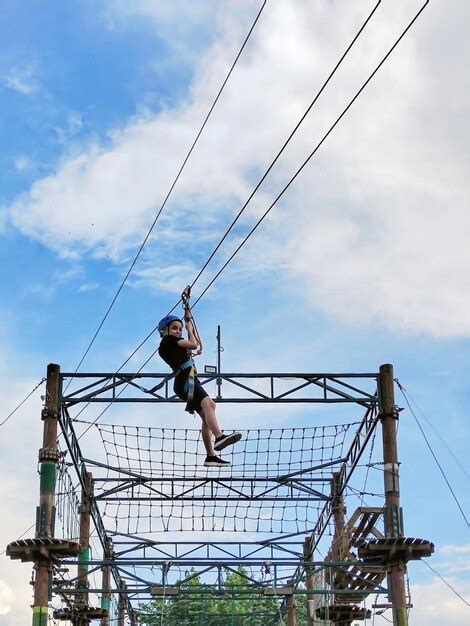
(256, 495)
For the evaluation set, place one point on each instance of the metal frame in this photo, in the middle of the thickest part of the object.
(280, 552)
(316, 388)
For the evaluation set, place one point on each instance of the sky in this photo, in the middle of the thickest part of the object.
(363, 261)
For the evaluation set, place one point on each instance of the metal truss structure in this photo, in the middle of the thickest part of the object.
(287, 558)
(283, 553)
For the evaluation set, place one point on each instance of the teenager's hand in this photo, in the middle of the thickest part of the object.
(187, 315)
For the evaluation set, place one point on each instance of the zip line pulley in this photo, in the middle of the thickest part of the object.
(189, 317)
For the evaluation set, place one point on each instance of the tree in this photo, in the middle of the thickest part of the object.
(200, 607)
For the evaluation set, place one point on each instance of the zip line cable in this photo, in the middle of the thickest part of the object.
(22, 402)
(449, 449)
(433, 454)
(171, 188)
(445, 582)
(338, 119)
(20, 537)
(297, 126)
(259, 183)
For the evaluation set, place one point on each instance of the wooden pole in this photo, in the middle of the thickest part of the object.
(48, 456)
(106, 581)
(84, 556)
(291, 618)
(122, 605)
(309, 581)
(338, 547)
(393, 517)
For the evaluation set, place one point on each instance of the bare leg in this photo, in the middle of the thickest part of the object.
(207, 437)
(208, 416)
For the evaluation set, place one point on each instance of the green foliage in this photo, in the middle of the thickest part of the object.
(231, 608)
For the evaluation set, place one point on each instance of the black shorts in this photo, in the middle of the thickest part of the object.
(181, 389)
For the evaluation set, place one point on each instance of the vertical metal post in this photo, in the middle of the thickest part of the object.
(219, 380)
(106, 582)
(48, 456)
(84, 556)
(393, 517)
(291, 618)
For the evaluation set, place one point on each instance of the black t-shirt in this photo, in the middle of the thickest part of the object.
(172, 353)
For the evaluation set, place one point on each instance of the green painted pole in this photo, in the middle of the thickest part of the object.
(48, 457)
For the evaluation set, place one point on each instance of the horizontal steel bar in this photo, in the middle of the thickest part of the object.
(207, 479)
(151, 561)
(222, 375)
(152, 399)
(222, 593)
(241, 498)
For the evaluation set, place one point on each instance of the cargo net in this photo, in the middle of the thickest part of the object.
(155, 479)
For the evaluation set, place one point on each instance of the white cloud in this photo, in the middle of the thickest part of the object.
(88, 287)
(21, 79)
(465, 549)
(6, 598)
(23, 163)
(434, 604)
(376, 225)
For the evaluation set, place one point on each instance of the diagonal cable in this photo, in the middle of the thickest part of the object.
(171, 189)
(259, 183)
(325, 136)
(283, 147)
(434, 455)
(437, 433)
(446, 583)
(314, 151)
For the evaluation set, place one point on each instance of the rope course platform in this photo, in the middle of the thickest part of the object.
(165, 522)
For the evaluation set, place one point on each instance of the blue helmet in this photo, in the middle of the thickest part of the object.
(166, 321)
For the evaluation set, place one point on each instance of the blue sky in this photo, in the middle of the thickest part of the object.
(364, 261)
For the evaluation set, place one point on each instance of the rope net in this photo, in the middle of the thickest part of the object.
(154, 479)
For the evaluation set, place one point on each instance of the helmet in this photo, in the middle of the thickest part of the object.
(166, 321)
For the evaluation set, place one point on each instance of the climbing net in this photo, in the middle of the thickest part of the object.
(153, 479)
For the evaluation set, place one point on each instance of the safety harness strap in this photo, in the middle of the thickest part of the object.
(189, 364)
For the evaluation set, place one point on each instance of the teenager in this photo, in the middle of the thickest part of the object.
(176, 352)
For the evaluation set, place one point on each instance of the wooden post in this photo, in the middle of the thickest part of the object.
(84, 556)
(48, 456)
(393, 517)
(106, 582)
(122, 605)
(309, 581)
(291, 618)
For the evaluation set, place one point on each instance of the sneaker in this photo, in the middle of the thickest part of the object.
(226, 440)
(215, 461)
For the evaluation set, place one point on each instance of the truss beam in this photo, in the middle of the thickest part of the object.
(256, 388)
